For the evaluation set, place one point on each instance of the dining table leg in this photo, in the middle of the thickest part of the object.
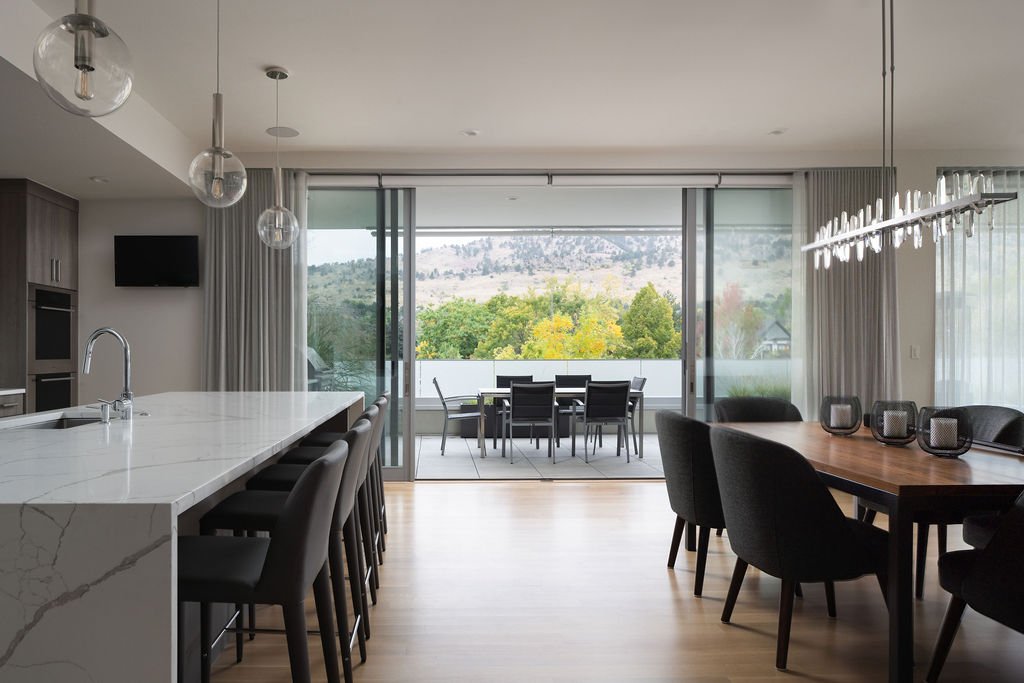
(481, 424)
(640, 407)
(901, 593)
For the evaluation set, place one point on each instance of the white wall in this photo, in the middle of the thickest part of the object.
(162, 325)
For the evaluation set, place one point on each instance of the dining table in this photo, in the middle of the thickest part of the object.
(497, 393)
(904, 483)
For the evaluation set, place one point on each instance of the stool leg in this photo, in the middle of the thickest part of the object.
(369, 549)
(204, 642)
(383, 501)
(295, 632)
(340, 608)
(240, 611)
(355, 570)
(325, 620)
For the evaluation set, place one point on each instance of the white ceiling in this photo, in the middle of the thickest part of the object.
(580, 74)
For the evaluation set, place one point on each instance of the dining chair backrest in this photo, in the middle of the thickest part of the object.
(358, 440)
(638, 383)
(440, 394)
(993, 586)
(298, 544)
(995, 424)
(506, 381)
(606, 400)
(532, 400)
(756, 409)
(572, 381)
(689, 469)
(780, 515)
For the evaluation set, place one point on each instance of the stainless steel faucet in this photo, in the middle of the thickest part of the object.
(123, 404)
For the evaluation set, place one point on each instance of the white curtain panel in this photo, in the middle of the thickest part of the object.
(979, 308)
(846, 332)
(254, 297)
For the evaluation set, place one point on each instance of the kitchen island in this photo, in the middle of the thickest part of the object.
(89, 518)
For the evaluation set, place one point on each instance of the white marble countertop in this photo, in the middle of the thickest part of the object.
(188, 446)
(9, 392)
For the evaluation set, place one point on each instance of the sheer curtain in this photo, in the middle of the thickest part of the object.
(979, 307)
(846, 332)
(254, 318)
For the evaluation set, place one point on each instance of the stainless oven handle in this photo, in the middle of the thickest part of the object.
(9, 405)
(55, 308)
(55, 379)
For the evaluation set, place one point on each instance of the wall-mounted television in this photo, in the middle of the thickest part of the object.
(156, 260)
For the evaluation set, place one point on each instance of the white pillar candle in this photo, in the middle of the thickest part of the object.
(894, 424)
(943, 432)
(842, 416)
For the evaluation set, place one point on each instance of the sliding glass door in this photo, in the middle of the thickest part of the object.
(356, 302)
(744, 294)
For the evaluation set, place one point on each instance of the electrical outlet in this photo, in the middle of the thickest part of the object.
(915, 351)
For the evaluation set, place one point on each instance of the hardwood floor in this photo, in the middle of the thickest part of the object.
(566, 581)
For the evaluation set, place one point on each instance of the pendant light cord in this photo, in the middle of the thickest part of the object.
(277, 121)
(892, 96)
(218, 45)
(885, 161)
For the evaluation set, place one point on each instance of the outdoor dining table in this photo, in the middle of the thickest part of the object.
(903, 481)
(560, 392)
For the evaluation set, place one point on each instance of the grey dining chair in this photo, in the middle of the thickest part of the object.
(451, 406)
(692, 484)
(783, 520)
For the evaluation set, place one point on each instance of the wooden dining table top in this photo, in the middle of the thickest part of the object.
(903, 471)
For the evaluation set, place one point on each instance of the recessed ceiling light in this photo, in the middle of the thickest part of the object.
(282, 132)
(512, 198)
(471, 132)
(102, 179)
(778, 131)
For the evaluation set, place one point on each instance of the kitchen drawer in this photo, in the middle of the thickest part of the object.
(12, 405)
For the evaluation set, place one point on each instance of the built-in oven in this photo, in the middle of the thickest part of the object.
(51, 391)
(52, 330)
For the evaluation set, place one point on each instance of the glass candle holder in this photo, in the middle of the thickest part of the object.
(840, 415)
(944, 432)
(894, 423)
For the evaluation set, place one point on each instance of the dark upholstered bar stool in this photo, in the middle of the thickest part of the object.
(275, 571)
(282, 477)
(375, 471)
(691, 482)
(255, 510)
(783, 520)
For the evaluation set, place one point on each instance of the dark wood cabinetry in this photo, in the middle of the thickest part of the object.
(38, 253)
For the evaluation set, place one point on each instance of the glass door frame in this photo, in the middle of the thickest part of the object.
(395, 353)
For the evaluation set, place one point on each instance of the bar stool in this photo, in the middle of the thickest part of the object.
(375, 472)
(258, 510)
(355, 533)
(275, 571)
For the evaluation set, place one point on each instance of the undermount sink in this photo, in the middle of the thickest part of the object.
(63, 423)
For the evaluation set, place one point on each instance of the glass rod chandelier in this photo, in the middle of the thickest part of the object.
(966, 202)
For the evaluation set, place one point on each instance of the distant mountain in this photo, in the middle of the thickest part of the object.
(619, 264)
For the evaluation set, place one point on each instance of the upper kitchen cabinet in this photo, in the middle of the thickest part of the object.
(51, 222)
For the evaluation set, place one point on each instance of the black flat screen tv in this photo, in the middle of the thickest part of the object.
(156, 261)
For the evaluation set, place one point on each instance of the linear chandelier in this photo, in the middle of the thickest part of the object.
(963, 204)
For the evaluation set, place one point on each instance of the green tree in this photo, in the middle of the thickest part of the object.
(647, 327)
(452, 330)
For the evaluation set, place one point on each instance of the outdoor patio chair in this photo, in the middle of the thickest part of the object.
(605, 403)
(501, 405)
(451, 412)
(534, 405)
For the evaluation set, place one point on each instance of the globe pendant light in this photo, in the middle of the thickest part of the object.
(277, 226)
(82, 65)
(216, 175)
